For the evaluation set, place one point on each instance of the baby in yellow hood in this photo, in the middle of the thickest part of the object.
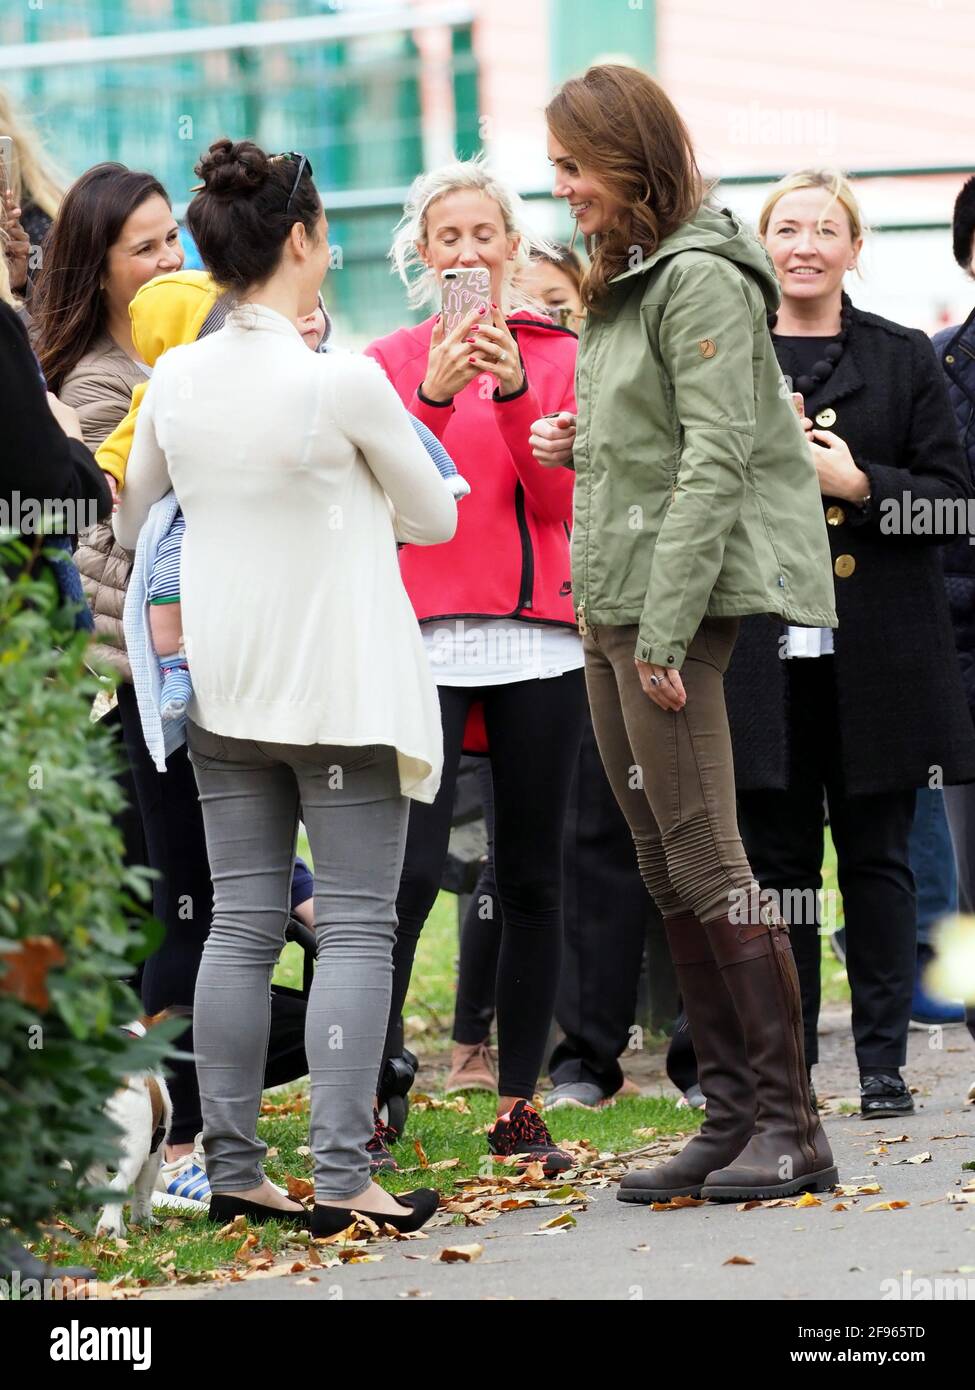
(167, 312)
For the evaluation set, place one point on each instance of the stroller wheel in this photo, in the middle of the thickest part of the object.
(394, 1113)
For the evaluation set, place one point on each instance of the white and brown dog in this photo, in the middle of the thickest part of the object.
(144, 1113)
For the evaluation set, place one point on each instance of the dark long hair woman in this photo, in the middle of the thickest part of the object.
(115, 230)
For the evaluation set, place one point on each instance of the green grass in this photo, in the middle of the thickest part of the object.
(185, 1248)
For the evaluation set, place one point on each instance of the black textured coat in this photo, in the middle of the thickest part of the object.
(902, 709)
(956, 351)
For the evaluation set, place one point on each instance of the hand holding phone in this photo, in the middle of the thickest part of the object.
(448, 369)
(463, 291)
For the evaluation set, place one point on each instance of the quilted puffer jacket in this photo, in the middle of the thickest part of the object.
(100, 389)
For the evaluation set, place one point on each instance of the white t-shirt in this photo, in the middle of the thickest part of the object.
(809, 641)
(498, 651)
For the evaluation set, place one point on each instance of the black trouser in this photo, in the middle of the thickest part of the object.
(783, 834)
(606, 911)
(480, 936)
(533, 729)
(182, 898)
(607, 915)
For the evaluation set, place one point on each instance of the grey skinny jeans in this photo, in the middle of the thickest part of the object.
(349, 798)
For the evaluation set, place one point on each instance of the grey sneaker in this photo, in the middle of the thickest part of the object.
(585, 1095)
(692, 1097)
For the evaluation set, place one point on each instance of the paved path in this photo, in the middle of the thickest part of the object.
(618, 1251)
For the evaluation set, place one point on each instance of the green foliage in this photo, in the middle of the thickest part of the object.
(62, 877)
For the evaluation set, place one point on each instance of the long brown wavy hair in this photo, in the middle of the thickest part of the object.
(620, 125)
(68, 308)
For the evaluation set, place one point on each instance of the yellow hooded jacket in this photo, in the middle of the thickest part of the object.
(166, 312)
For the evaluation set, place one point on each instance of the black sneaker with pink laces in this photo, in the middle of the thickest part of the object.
(380, 1159)
(523, 1132)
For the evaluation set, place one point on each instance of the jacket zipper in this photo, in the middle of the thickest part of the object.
(527, 554)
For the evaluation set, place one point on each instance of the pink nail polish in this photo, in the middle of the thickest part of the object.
(482, 309)
(472, 360)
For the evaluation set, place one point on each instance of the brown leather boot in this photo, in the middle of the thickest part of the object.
(725, 1076)
(788, 1152)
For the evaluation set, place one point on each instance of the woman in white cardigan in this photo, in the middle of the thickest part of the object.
(297, 474)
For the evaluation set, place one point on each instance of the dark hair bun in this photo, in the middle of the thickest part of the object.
(244, 213)
(233, 168)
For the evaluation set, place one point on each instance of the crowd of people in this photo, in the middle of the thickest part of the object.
(623, 533)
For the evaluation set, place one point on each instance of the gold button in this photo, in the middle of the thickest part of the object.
(826, 419)
(845, 565)
(835, 516)
(707, 347)
(949, 358)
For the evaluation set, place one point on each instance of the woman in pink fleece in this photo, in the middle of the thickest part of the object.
(495, 608)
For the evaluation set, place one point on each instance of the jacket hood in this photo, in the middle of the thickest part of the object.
(170, 311)
(719, 231)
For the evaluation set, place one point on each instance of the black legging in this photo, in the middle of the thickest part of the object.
(480, 936)
(182, 898)
(533, 729)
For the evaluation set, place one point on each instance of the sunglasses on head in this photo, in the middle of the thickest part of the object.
(304, 163)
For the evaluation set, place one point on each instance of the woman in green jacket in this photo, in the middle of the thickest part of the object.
(696, 502)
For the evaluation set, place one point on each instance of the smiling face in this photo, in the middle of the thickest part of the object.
(811, 244)
(466, 229)
(590, 202)
(148, 245)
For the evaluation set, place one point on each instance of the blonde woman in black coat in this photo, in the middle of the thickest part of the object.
(864, 716)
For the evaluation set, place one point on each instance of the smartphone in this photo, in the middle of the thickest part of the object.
(6, 163)
(462, 291)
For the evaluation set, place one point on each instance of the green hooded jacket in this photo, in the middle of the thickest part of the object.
(695, 491)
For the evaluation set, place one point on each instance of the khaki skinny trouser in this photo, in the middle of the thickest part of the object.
(672, 771)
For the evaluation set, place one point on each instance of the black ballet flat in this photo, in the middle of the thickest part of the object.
(423, 1201)
(224, 1209)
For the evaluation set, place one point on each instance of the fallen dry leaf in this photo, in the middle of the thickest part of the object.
(310, 1279)
(460, 1254)
(886, 1206)
(421, 1155)
(676, 1203)
(458, 1104)
(739, 1260)
(867, 1189)
(808, 1200)
(563, 1222)
(299, 1188)
(914, 1158)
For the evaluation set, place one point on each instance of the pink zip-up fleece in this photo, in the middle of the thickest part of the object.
(510, 555)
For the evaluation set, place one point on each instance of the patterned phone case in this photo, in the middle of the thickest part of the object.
(465, 290)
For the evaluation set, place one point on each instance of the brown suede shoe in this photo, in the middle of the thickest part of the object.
(789, 1151)
(724, 1073)
(472, 1068)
